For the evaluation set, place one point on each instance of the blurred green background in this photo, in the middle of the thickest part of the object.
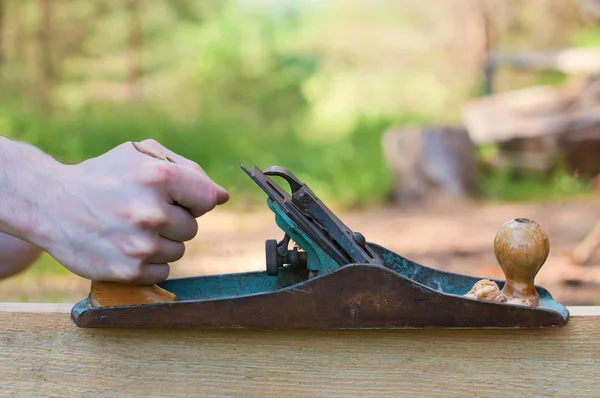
(309, 85)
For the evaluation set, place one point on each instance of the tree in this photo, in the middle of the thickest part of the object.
(44, 52)
(135, 39)
(2, 14)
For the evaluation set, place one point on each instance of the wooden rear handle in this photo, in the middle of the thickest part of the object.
(104, 294)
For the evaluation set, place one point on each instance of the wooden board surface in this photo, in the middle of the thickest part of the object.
(45, 354)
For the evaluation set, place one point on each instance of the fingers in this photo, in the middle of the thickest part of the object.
(151, 274)
(167, 251)
(185, 183)
(179, 224)
(152, 265)
(163, 227)
(156, 269)
(149, 245)
(172, 155)
(194, 191)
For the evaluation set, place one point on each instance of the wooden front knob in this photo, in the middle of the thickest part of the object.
(521, 247)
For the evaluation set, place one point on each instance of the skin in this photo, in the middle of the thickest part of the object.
(16, 255)
(122, 216)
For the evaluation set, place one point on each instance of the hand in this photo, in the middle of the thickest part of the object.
(124, 215)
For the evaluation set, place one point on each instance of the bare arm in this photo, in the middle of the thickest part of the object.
(27, 177)
(17, 201)
(122, 216)
(16, 255)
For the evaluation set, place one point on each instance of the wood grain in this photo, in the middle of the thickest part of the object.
(44, 354)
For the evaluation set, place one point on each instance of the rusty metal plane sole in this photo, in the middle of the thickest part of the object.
(398, 295)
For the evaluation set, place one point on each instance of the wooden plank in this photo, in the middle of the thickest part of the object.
(36, 307)
(44, 354)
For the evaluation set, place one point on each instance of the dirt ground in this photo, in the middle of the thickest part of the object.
(454, 237)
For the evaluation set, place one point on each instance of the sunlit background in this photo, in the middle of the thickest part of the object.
(426, 124)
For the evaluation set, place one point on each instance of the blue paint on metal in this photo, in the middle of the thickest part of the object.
(320, 263)
(318, 260)
(450, 283)
(248, 283)
(214, 287)
(228, 285)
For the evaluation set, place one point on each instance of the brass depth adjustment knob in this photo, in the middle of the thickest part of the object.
(521, 247)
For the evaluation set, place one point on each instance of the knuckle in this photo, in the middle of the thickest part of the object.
(197, 166)
(157, 173)
(140, 248)
(148, 217)
(150, 142)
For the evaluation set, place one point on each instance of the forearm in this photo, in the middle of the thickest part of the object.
(16, 255)
(26, 175)
(122, 216)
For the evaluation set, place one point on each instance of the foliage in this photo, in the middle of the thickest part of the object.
(310, 85)
(306, 84)
(504, 185)
(350, 171)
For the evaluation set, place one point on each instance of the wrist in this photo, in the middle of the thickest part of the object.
(29, 180)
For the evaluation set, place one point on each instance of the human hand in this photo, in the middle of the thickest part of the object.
(124, 215)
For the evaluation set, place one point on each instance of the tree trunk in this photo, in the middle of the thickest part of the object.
(18, 41)
(134, 50)
(2, 19)
(46, 67)
(478, 34)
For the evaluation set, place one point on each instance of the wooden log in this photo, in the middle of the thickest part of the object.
(535, 125)
(44, 354)
(568, 60)
(524, 113)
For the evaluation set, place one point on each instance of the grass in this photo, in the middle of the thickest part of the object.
(504, 184)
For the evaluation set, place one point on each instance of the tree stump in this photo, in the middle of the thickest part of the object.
(431, 164)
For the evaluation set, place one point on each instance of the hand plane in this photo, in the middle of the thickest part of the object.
(334, 278)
